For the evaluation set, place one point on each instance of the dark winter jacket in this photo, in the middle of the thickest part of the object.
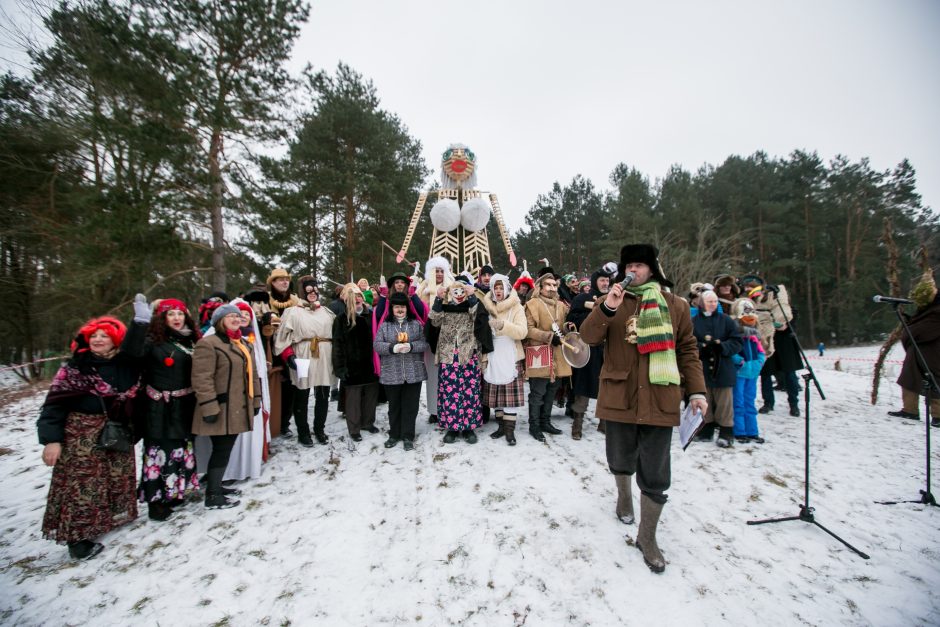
(717, 363)
(352, 349)
(565, 295)
(122, 372)
(925, 327)
(167, 368)
(400, 368)
(625, 393)
(586, 380)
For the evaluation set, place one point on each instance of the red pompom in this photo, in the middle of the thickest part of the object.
(168, 362)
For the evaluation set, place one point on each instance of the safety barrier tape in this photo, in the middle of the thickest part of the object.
(887, 361)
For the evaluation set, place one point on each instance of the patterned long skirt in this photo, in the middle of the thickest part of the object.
(168, 472)
(92, 491)
(508, 395)
(458, 395)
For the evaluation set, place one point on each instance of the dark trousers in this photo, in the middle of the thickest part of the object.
(402, 409)
(541, 398)
(360, 406)
(790, 381)
(642, 450)
(287, 401)
(321, 400)
(222, 446)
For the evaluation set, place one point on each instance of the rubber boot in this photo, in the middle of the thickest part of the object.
(577, 423)
(624, 498)
(500, 431)
(510, 427)
(650, 511)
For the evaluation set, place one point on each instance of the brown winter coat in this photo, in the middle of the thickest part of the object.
(539, 314)
(220, 378)
(625, 393)
(925, 327)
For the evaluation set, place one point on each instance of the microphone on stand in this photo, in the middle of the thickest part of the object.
(892, 300)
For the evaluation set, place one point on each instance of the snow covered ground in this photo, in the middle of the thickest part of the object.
(493, 535)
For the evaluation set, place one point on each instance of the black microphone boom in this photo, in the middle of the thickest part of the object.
(892, 300)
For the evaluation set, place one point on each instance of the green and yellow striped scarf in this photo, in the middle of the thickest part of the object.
(655, 334)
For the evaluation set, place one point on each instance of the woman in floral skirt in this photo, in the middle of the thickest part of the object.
(169, 473)
(92, 490)
(463, 325)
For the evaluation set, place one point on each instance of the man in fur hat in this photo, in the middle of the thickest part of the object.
(649, 350)
(726, 286)
(545, 314)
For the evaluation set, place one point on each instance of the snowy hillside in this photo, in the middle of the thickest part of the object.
(486, 534)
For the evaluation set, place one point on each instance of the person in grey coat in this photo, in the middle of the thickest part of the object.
(400, 344)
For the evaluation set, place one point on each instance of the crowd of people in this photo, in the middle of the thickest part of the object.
(207, 398)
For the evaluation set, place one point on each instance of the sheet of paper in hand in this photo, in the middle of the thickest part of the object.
(689, 424)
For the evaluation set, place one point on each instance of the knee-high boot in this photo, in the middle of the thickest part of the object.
(577, 423)
(624, 498)
(650, 511)
(535, 424)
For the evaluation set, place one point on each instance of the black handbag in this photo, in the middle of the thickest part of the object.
(115, 436)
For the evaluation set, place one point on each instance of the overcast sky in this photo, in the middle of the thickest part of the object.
(543, 91)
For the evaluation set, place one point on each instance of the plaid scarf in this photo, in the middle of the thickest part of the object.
(654, 334)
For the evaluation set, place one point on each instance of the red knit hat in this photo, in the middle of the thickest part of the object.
(169, 304)
(245, 307)
(112, 326)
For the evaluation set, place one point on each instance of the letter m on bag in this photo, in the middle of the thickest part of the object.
(538, 356)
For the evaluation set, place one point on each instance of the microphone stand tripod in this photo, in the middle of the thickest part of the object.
(806, 512)
(928, 383)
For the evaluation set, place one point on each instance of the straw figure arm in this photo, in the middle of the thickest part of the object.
(411, 227)
(503, 233)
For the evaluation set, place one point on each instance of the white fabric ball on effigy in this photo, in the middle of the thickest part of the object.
(445, 215)
(475, 214)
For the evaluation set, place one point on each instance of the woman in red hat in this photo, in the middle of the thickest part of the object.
(168, 473)
(92, 489)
